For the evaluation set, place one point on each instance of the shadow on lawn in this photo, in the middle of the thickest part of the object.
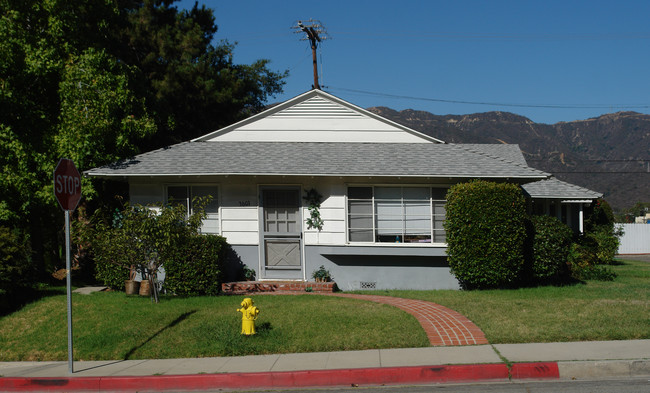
(20, 298)
(173, 323)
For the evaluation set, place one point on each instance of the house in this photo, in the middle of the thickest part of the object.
(382, 190)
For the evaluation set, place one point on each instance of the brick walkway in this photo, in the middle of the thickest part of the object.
(443, 326)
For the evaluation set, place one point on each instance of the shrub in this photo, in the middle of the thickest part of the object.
(551, 244)
(601, 232)
(16, 271)
(111, 274)
(195, 267)
(486, 231)
(115, 246)
(605, 244)
(601, 215)
(165, 237)
(584, 262)
(597, 246)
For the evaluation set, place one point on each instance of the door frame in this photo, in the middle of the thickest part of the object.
(263, 236)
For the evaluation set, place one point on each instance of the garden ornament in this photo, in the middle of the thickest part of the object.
(249, 315)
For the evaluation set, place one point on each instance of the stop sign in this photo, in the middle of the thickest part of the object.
(67, 184)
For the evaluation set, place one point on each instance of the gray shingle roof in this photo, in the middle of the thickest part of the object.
(319, 159)
(509, 152)
(556, 189)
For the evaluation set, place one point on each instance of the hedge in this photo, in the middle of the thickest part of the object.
(196, 266)
(486, 232)
(551, 244)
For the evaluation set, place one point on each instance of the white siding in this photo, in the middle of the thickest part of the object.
(319, 120)
(211, 224)
(239, 213)
(332, 212)
(349, 136)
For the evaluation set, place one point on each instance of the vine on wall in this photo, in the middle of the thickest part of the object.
(313, 198)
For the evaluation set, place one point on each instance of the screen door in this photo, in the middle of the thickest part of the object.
(281, 232)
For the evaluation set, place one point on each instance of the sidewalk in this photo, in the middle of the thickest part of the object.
(577, 360)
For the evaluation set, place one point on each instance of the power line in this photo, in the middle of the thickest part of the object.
(548, 106)
(453, 36)
(596, 160)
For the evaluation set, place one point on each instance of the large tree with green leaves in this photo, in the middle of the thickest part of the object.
(97, 81)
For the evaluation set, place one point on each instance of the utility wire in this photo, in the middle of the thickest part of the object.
(551, 106)
(450, 36)
(595, 160)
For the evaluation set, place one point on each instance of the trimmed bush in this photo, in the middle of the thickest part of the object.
(551, 245)
(196, 266)
(486, 232)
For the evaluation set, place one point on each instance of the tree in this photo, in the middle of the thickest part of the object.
(101, 118)
(100, 81)
(186, 78)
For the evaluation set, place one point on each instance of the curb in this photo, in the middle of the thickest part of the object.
(289, 379)
(611, 368)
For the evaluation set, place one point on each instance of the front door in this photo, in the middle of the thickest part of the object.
(281, 233)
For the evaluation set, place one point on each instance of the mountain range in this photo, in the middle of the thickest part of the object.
(609, 154)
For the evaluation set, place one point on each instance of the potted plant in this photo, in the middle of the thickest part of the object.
(131, 287)
(321, 274)
(249, 274)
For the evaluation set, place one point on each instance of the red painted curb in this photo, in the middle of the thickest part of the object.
(542, 370)
(285, 379)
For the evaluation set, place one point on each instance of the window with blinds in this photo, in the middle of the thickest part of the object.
(396, 214)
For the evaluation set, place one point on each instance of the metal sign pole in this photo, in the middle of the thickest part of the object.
(69, 289)
(67, 190)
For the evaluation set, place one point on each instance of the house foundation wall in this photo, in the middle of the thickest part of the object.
(360, 268)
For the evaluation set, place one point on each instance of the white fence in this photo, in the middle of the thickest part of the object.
(635, 239)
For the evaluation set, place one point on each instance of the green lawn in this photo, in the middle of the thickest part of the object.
(595, 310)
(111, 325)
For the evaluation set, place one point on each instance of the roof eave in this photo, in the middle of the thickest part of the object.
(464, 176)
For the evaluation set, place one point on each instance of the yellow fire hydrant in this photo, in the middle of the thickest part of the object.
(249, 315)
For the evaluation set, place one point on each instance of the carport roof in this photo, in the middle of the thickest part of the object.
(556, 189)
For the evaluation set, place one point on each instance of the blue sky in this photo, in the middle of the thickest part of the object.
(547, 60)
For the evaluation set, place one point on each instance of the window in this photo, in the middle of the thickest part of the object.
(185, 195)
(396, 214)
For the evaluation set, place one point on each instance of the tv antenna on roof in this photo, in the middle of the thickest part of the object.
(315, 33)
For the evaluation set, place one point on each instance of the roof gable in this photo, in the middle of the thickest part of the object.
(317, 116)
